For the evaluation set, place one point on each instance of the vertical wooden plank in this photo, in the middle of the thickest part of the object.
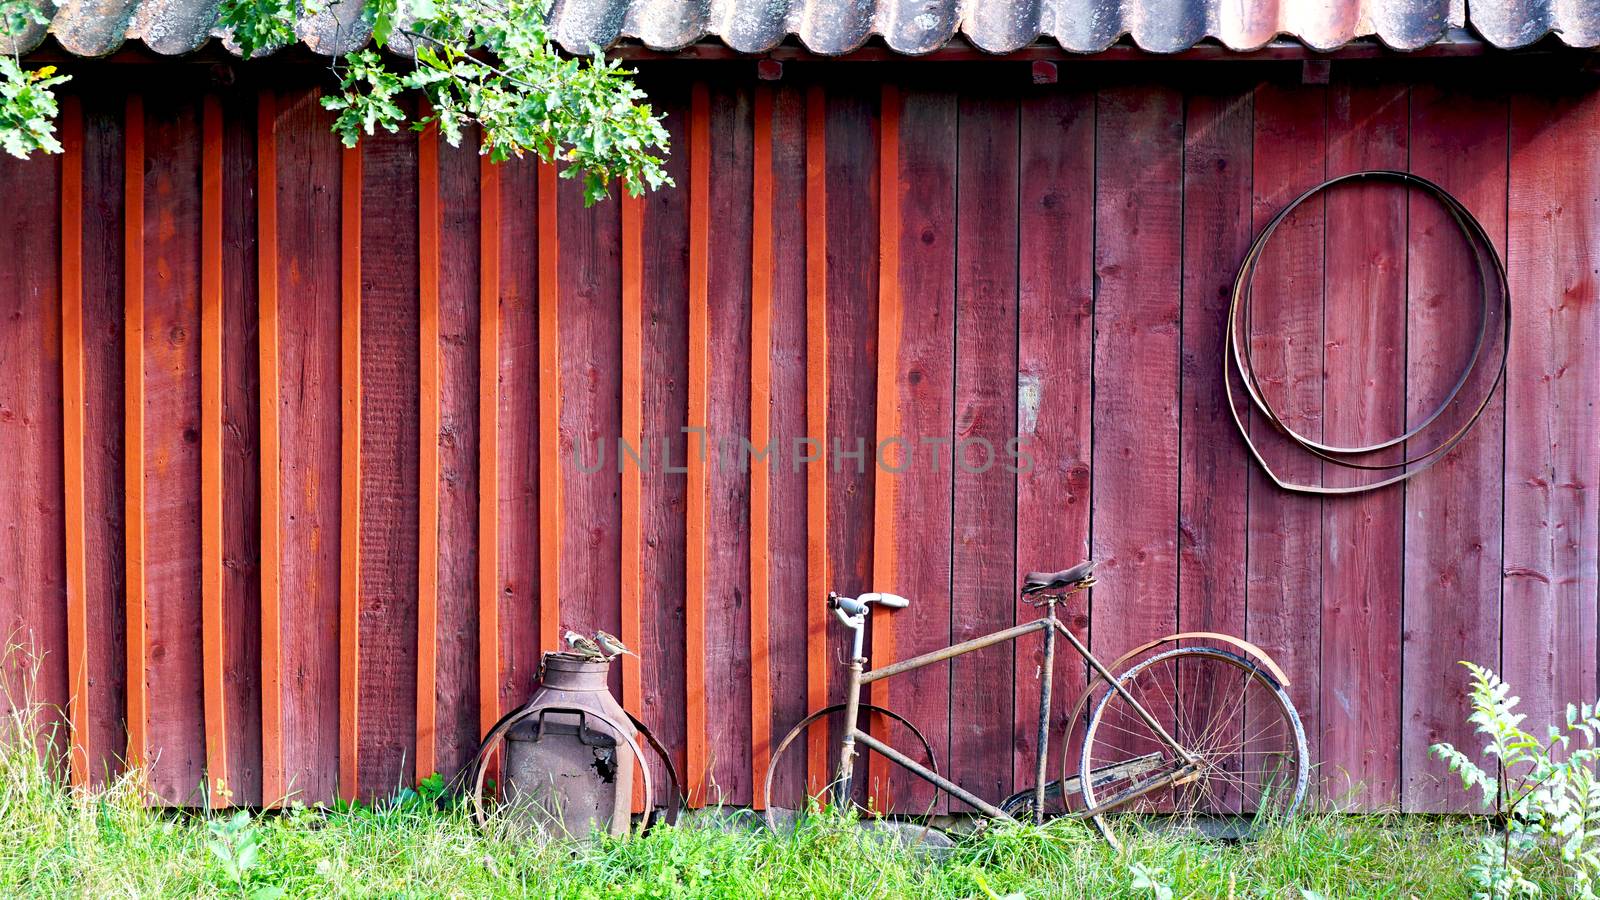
(133, 424)
(590, 376)
(789, 600)
(272, 767)
(1453, 514)
(889, 453)
(632, 433)
(984, 510)
(389, 361)
(925, 395)
(818, 577)
(761, 273)
(171, 464)
(213, 625)
(852, 291)
(73, 403)
(664, 300)
(695, 500)
(313, 404)
(103, 283)
(1552, 387)
(631, 571)
(549, 335)
(728, 307)
(1284, 549)
(350, 471)
(428, 438)
(519, 583)
(488, 445)
(1364, 400)
(241, 474)
(1138, 261)
(1055, 347)
(1213, 478)
(33, 608)
(456, 668)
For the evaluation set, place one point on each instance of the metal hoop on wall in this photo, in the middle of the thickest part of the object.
(1238, 362)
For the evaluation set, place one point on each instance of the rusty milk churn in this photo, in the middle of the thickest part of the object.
(570, 757)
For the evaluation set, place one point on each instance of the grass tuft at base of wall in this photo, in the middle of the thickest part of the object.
(58, 842)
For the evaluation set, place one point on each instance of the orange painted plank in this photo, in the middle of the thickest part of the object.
(133, 422)
(696, 502)
(73, 404)
(760, 433)
(817, 575)
(428, 449)
(549, 416)
(213, 643)
(883, 485)
(272, 780)
(632, 432)
(350, 473)
(632, 475)
(488, 445)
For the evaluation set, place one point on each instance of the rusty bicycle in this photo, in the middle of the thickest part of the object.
(1174, 726)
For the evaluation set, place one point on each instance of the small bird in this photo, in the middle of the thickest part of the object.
(612, 646)
(584, 647)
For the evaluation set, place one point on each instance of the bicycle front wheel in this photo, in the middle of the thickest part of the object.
(1247, 761)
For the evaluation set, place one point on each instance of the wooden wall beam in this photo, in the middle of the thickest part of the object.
(817, 575)
(350, 474)
(73, 404)
(133, 423)
(760, 434)
(272, 778)
(428, 449)
(883, 482)
(488, 445)
(632, 433)
(696, 502)
(213, 629)
(549, 415)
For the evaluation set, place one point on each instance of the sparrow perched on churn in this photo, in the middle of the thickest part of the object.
(612, 646)
(582, 646)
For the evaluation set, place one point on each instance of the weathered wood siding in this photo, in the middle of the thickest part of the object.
(301, 442)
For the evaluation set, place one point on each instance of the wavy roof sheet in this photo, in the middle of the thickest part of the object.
(99, 27)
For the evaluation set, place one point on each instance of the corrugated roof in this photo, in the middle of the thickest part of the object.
(99, 27)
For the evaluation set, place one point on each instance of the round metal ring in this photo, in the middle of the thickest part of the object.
(1238, 362)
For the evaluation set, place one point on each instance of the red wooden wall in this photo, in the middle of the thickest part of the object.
(292, 497)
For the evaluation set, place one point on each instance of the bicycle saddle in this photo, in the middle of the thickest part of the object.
(1078, 575)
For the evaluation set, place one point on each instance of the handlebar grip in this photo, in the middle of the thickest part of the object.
(893, 601)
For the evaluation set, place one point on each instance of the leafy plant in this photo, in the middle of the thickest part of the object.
(27, 103)
(1545, 791)
(261, 24)
(492, 63)
(235, 842)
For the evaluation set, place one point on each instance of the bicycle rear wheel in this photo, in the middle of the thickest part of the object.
(1250, 762)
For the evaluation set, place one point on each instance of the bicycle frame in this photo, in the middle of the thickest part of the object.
(1048, 624)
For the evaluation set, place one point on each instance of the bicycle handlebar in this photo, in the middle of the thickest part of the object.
(849, 608)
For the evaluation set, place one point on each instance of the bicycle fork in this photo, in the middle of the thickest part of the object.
(852, 709)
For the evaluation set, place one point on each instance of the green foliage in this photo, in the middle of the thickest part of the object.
(488, 63)
(261, 24)
(27, 103)
(1545, 790)
(236, 844)
(492, 63)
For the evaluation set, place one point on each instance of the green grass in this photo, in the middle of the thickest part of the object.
(55, 842)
